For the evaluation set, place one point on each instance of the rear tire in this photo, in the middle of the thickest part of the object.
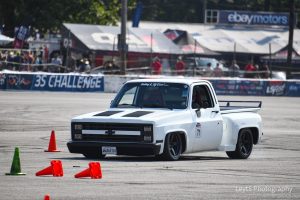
(244, 145)
(93, 155)
(172, 147)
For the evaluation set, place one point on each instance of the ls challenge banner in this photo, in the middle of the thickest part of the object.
(52, 82)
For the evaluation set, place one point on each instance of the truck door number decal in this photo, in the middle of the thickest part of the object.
(198, 130)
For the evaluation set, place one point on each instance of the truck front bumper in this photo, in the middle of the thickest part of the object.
(138, 149)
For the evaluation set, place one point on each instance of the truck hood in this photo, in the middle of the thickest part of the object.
(156, 116)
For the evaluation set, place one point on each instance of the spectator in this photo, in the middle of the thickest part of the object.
(180, 66)
(218, 72)
(84, 65)
(17, 60)
(208, 70)
(46, 54)
(250, 71)
(156, 66)
(57, 62)
(234, 68)
(265, 71)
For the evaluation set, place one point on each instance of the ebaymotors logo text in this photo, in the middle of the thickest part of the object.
(251, 18)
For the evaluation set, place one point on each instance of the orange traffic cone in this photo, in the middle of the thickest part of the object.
(94, 171)
(47, 197)
(54, 169)
(52, 143)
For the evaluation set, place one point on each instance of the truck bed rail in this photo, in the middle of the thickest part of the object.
(230, 105)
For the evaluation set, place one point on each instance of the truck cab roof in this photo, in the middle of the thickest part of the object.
(170, 80)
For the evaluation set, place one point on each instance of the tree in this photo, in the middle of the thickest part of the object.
(191, 11)
(50, 14)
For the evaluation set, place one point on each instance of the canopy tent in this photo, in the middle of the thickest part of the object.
(280, 57)
(187, 43)
(5, 40)
(250, 41)
(231, 38)
(105, 38)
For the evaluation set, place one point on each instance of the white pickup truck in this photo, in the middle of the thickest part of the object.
(167, 118)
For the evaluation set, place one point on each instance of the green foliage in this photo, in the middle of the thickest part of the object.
(191, 11)
(50, 14)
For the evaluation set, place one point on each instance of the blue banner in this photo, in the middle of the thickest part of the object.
(293, 88)
(275, 88)
(253, 18)
(95, 83)
(77, 83)
(52, 82)
(137, 14)
(239, 87)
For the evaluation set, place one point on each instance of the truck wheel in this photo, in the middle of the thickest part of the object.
(244, 145)
(173, 147)
(93, 155)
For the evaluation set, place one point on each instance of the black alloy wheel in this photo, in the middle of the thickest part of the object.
(244, 145)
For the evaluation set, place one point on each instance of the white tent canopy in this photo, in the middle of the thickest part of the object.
(241, 39)
(5, 40)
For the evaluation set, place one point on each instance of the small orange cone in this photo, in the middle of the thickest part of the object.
(94, 171)
(52, 143)
(54, 169)
(47, 197)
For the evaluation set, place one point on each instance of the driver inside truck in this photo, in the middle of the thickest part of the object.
(196, 98)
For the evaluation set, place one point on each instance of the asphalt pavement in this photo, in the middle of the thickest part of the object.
(27, 118)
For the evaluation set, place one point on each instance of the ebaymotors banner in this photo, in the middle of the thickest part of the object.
(253, 18)
(52, 82)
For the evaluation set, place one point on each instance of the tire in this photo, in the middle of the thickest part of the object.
(244, 145)
(172, 147)
(93, 155)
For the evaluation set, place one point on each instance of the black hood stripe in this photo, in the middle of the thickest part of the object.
(107, 113)
(138, 114)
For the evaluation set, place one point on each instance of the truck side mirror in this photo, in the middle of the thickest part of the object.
(198, 112)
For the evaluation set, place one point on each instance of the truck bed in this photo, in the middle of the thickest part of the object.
(239, 106)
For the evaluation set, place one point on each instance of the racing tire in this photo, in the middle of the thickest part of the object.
(244, 145)
(93, 155)
(172, 147)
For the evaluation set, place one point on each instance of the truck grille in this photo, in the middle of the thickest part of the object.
(108, 132)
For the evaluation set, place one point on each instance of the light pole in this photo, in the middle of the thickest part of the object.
(291, 36)
(123, 45)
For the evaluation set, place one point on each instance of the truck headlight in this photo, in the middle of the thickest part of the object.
(148, 133)
(77, 136)
(147, 128)
(78, 127)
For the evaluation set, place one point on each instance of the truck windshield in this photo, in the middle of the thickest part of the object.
(152, 95)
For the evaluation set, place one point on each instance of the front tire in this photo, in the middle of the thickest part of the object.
(244, 145)
(172, 147)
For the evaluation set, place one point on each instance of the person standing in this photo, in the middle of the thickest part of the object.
(250, 71)
(180, 66)
(218, 71)
(156, 66)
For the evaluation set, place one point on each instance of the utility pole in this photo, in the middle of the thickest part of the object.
(291, 36)
(204, 5)
(123, 45)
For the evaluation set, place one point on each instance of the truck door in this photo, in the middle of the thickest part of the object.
(208, 123)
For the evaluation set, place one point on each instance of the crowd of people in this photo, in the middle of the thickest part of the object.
(23, 60)
(39, 60)
(181, 68)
